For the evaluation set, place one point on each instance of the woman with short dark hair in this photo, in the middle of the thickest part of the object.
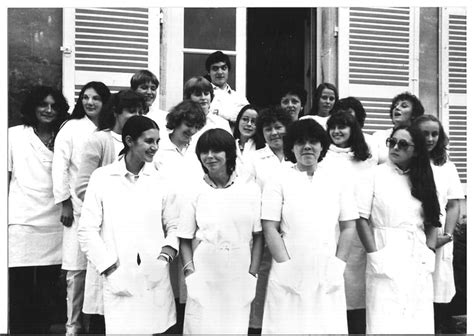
(34, 229)
(220, 241)
(400, 240)
(308, 218)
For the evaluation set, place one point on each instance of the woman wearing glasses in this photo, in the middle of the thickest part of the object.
(400, 242)
(245, 134)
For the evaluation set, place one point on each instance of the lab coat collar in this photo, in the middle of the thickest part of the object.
(231, 181)
(226, 88)
(398, 170)
(119, 168)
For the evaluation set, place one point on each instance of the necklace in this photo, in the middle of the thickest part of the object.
(46, 138)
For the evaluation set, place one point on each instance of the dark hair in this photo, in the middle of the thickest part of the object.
(134, 127)
(294, 89)
(35, 98)
(347, 103)
(356, 140)
(218, 140)
(239, 116)
(187, 111)
(117, 102)
(268, 116)
(421, 177)
(417, 108)
(197, 85)
(304, 130)
(318, 93)
(143, 76)
(439, 154)
(217, 57)
(99, 87)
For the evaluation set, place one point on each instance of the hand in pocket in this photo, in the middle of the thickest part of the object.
(117, 283)
(334, 277)
(154, 272)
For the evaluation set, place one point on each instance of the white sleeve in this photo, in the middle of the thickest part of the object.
(170, 219)
(347, 201)
(272, 201)
(257, 208)
(365, 194)
(187, 217)
(455, 189)
(90, 226)
(61, 162)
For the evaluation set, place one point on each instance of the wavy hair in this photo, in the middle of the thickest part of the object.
(101, 89)
(439, 154)
(317, 95)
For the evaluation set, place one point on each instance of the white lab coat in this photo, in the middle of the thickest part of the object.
(323, 121)
(379, 145)
(359, 171)
(121, 220)
(227, 103)
(448, 187)
(244, 156)
(34, 228)
(221, 288)
(67, 157)
(399, 274)
(309, 212)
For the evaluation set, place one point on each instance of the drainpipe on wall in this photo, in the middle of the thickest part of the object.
(328, 55)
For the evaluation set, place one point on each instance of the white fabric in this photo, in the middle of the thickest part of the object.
(212, 121)
(118, 144)
(359, 172)
(399, 275)
(227, 103)
(121, 220)
(158, 116)
(67, 157)
(448, 187)
(306, 294)
(320, 120)
(244, 156)
(221, 289)
(263, 165)
(34, 230)
(378, 142)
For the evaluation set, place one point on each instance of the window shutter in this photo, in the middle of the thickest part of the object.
(377, 58)
(109, 45)
(454, 85)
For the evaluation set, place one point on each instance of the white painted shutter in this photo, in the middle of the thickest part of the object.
(378, 58)
(108, 45)
(454, 86)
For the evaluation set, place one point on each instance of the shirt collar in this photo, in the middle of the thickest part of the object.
(121, 169)
(398, 170)
(226, 88)
(231, 181)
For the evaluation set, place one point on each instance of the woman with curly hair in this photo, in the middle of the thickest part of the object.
(35, 232)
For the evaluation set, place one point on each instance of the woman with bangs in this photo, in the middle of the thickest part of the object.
(220, 241)
(450, 193)
(348, 149)
(200, 90)
(308, 218)
(400, 240)
(69, 145)
(245, 134)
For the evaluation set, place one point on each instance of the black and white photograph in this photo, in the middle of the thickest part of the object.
(225, 168)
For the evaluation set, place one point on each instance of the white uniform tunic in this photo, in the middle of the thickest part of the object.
(359, 171)
(227, 103)
(244, 156)
(399, 274)
(378, 142)
(67, 157)
(221, 288)
(34, 228)
(320, 120)
(449, 187)
(309, 210)
(124, 217)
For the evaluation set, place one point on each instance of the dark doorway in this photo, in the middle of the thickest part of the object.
(275, 51)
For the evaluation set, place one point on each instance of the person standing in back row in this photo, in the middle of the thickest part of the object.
(227, 102)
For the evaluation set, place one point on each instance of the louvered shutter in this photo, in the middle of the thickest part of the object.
(108, 45)
(453, 74)
(377, 58)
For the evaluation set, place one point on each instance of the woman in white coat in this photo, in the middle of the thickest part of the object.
(245, 133)
(308, 218)
(34, 228)
(348, 149)
(128, 231)
(102, 148)
(450, 193)
(222, 216)
(401, 238)
(68, 148)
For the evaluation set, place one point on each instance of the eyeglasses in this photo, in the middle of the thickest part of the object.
(402, 144)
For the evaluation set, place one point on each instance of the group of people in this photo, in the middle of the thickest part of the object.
(255, 220)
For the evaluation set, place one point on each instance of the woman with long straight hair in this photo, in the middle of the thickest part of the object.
(400, 241)
(128, 231)
(69, 144)
(450, 194)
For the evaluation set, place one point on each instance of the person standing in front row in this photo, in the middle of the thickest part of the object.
(450, 192)
(128, 231)
(400, 240)
(35, 232)
(68, 149)
(308, 218)
(227, 102)
(220, 240)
